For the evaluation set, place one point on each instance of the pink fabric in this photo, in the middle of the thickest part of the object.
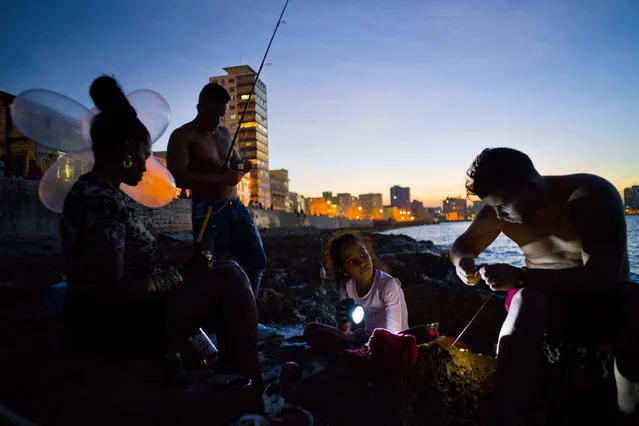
(390, 353)
(509, 297)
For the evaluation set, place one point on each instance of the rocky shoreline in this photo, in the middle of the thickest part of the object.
(48, 384)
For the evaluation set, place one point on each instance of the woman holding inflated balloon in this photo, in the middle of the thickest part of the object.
(120, 300)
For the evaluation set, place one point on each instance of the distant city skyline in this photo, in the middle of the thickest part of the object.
(408, 96)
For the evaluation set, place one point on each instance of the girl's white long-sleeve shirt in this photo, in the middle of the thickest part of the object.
(384, 304)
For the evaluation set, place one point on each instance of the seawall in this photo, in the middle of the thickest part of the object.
(22, 215)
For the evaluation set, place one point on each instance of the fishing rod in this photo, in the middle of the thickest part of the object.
(473, 318)
(257, 76)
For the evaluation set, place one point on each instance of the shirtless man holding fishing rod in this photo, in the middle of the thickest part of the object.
(196, 156)
(202, 156)
(575, 287)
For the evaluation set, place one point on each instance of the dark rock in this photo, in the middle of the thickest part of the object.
(273, 307)
(449, 387)
(444, 387)
(51, 385)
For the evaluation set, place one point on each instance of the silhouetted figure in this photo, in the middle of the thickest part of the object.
(196, 155)
(122, 300)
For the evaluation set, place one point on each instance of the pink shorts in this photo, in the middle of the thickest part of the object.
(509, 297)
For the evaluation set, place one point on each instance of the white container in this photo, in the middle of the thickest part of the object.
(203, 348)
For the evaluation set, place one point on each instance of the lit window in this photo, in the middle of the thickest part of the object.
(248, 124)
(244, 97)
(233, 116)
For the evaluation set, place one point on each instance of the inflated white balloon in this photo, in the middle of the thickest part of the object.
(157, 187)
(86, 125)
(58, 180)
(153, 111)
(59, 122)
(51, 119)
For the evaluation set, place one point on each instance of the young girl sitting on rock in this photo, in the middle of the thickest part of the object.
(359, 276)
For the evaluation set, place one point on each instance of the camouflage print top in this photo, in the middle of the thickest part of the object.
(96, 218)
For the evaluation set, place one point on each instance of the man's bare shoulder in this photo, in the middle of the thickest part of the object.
(224, 132)
(586, 187)
(182, 134)
(595, 202)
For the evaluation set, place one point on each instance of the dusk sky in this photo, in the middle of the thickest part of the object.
(363, 94)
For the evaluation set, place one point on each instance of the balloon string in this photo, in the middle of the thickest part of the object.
(239, 124)
(473, 319)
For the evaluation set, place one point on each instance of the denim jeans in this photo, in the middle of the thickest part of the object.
(230, 229)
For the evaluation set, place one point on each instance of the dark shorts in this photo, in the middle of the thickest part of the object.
(121, 331)
(608, 319)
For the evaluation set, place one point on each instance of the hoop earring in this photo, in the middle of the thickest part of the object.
(127, 162)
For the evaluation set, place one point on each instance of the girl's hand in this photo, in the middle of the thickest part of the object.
(342, 319)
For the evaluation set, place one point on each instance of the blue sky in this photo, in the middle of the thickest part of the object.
(364, 94)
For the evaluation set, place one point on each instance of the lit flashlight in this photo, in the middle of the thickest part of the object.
(354, 312)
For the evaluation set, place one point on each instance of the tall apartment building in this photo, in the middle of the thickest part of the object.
(455, 208)
(631, 198)
(279, 190)
(345, 202)
(372, 205)
(252, 140)
(400, 197)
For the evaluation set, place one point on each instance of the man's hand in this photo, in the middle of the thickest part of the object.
(501, 276)
(233, 177)
(467, 271)
(248, 166)
(244, 166)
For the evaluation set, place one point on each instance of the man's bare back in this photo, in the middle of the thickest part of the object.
(205, 154)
